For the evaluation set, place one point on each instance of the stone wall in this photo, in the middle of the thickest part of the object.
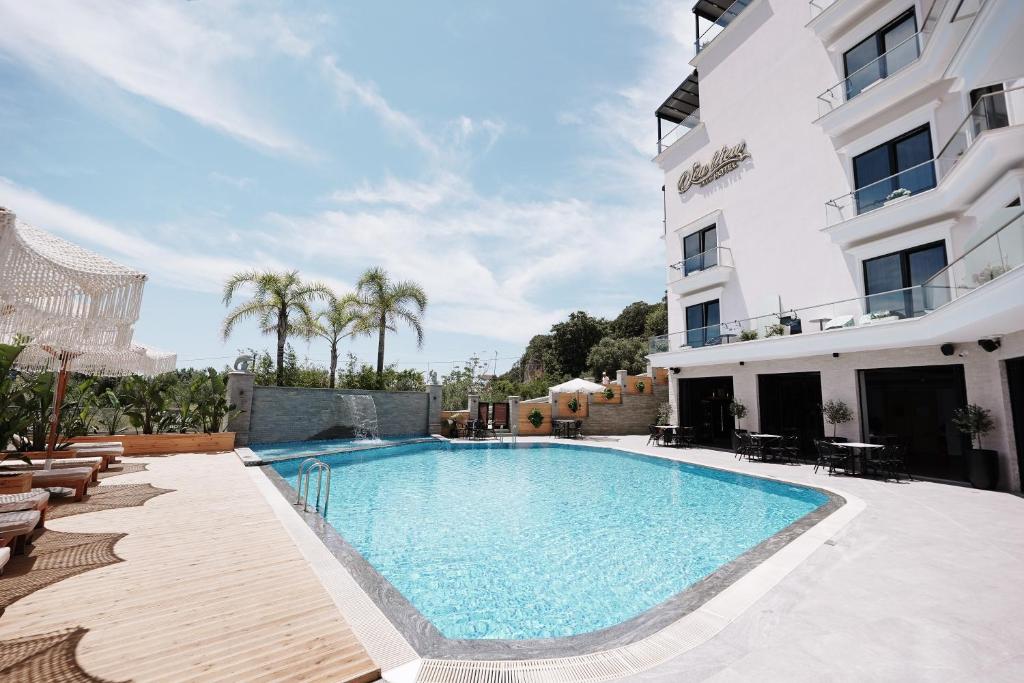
(300, 414)
(632, 416)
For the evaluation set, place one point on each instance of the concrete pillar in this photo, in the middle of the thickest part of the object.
(239, 389)
(433, 409)
(474, 405)
(513, 411)
(620, 377)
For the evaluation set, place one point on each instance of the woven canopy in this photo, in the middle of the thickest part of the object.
(70, 302)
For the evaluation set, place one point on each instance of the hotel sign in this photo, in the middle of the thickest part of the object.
(725, 160)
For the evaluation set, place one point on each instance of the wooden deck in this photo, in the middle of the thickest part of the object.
(212, 589)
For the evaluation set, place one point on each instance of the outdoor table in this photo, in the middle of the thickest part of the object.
(664, 429)
(563, 427)
(821, 322)
(764, 437)
(855, 446)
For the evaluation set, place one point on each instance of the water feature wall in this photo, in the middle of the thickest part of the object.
(301, 414)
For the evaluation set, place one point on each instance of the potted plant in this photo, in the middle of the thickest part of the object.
(609, 393)
(739, 411)
(776, 330)
(573, 404)
(897, 194)
(836, 413)
(640, 386)
(664, 411)
(983, 465)
(536, 418)
(748, 335)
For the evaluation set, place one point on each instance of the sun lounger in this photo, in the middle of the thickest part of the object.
(16, 527)
(36, 499)
(5, 556)
(109, 453)
(76, 478)
(95, 464)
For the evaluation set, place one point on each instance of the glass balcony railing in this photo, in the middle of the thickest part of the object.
(872, 73)
(719, 256)
(719, 25)
(995, 255)
(989, 113)
(819, 6)
(679, 130)
(881, 192)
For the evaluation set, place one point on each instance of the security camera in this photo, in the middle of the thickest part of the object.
(990, 344)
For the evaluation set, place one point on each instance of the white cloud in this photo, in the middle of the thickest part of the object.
(173, 265)
(238, 182)
(178, 55)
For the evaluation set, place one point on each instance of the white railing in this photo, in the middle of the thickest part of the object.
(819, 6)
(875, 195)
(989, 113)
(999, 253)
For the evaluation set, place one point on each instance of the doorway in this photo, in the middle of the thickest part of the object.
(790, 403)
(1015, 379)
(704, 405)
(915, 407)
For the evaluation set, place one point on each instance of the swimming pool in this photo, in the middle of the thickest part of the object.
(542, 541)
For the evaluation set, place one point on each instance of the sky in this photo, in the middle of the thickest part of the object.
(499, 154)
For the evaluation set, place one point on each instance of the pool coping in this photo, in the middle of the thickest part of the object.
(251, 458)
(691, 604)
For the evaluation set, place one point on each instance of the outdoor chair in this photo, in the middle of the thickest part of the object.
(829, 456)
(654, 434)
(786, 449)
(576, 429)
(749, 448)
(685, 437)
(891, 462)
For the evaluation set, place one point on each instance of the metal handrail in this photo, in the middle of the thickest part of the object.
(699, 44)
(690, 122)
(833, 202)
(305, 474)
(873, 62)
(719, 251)
(963, 256)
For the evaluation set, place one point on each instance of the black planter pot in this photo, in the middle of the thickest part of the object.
(983, 468)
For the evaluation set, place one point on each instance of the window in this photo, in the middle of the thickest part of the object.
(903, 163)
(700, 250)
(988, 109)
(702, 324)
(900, 271)
(884, 52)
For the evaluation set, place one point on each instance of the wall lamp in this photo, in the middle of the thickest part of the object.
(947, 349)
(835, 354)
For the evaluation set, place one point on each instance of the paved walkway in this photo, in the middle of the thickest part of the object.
(212, 589)
(924, 585)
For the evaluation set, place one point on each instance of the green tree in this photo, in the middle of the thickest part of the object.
(632, 321)
(573, 339)
(656, 322)
(281, 304)
(539, 358)
(611, 354)
(385, 304)
(340, 319)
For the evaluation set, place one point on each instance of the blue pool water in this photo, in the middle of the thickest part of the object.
(299, 449)
(489, 541)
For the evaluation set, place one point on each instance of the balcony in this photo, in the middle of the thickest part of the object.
(682, 109)
(983, 147)
(711, 268)
(717, 17)
(997, 258)
(873, 73)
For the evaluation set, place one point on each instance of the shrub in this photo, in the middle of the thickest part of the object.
(609, 393)
(748, 335)
(775, 330)
(574, 404)
(974, 421)
(641, 386)
(536, 418)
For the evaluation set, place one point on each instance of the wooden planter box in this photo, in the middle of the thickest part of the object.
(163, 444)
(526, 428)
(599, 397)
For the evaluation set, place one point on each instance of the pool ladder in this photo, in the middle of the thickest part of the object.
(306, 470)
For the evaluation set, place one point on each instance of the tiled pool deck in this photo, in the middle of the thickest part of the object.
(923, 584)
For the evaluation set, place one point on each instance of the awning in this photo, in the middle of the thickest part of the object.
(683, 101)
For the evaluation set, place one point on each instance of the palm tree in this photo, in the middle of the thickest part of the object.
(277, 297)
(342, 318)
(385, 303)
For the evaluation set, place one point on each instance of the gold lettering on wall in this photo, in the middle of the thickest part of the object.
(725, 160)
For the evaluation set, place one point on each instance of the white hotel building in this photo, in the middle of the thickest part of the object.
(844, 179)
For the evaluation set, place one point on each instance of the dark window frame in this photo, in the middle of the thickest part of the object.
(706, 339)
(703, 262)
(894, 169)
(904, 256)
(879, 37)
